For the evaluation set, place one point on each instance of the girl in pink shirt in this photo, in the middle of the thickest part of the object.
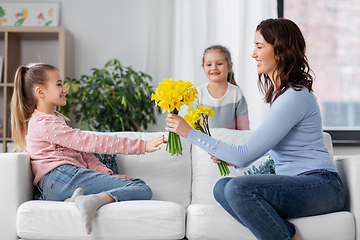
(62, 162)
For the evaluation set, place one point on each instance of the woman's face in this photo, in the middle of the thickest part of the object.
(264, 55)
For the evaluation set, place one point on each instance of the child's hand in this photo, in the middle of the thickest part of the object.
(153, 144)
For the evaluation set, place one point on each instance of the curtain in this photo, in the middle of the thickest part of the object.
(180, 30)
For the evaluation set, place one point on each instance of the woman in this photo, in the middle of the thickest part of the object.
(306, 182)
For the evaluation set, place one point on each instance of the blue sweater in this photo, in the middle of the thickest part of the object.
(291, 132)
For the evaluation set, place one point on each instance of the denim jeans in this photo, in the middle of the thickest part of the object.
(263, 202)
(61, 182)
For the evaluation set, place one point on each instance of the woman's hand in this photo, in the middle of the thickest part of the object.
(217, 161)
(123, 176)
(177, 125)
(153, 144)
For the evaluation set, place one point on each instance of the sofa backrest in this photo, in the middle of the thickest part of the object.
(206, 173)
(168, 176)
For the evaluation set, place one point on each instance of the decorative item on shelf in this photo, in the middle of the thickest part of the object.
(116, 98)
(29, 13)
(3, 18)
(199, 119)
(170, 96)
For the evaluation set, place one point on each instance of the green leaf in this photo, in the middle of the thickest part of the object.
(106, 99)
(74, 87)
(2, 12)
(19, 22)
(123, 101)
(67, 85)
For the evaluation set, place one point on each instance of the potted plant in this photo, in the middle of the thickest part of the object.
(115, 98)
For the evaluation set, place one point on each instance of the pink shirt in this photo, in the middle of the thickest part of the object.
(51, 143)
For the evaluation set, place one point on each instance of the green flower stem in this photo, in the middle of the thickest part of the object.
(220, 169)
(223, 168)
(168, 142)
(174, 142)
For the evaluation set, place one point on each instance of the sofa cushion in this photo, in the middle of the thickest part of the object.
(121, 220)
(205, 172)
(207, 221)
(168, 176)
(109, 160)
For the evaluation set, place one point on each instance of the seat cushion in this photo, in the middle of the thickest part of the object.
(205, 172)
(121, 220)
(169, 177)
(207, 221)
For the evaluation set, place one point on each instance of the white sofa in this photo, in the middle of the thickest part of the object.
(182, 204)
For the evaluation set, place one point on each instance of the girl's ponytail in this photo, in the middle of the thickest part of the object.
(23, 101)
(20, 110)
(231, 78)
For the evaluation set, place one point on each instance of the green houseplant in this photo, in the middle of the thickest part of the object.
(115, 98)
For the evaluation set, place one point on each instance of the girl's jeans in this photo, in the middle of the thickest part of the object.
(61, 182)
(263, 202)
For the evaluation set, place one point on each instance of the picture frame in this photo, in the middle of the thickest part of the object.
(29, 13)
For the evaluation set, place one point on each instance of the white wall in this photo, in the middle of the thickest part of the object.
(105, 29)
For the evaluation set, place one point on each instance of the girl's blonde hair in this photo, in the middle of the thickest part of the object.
(23, 101)
(231, 75)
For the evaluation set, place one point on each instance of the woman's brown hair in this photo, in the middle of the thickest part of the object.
(23, 101)
(226, 52)
(292, 69)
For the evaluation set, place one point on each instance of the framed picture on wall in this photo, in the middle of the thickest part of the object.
(29, 13)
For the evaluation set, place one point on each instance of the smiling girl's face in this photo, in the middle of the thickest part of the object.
(215, 66)
(53, 94)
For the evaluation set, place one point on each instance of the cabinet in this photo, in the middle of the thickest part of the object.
(24, 45)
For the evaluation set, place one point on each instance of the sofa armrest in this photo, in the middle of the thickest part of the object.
(17, 187)
(349, 171)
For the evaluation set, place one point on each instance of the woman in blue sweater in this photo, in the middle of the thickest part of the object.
(306, 182)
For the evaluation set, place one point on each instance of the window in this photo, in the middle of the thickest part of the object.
(331, 30)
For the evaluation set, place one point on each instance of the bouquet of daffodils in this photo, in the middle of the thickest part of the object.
(170, 96)
(199, 119)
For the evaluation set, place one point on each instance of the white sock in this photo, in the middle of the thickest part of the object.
(88, 204)
(77, 192)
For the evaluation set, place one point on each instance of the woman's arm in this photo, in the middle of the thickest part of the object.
(285, 112)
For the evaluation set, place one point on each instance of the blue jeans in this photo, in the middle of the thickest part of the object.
(61, 182)
(263, 202)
